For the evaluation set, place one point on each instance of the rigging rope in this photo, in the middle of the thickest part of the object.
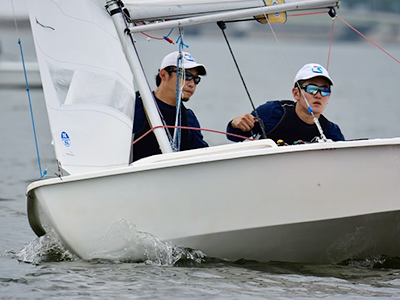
(178, 100)
(180, 83)
(165, 37)
(333, 14)
(42, 174)
(222, 26)
(330, 43)
(369, 40)
(191, 128)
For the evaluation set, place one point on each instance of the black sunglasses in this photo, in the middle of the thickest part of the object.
(188, 76)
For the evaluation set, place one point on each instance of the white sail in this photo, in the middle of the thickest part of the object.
(87, 83)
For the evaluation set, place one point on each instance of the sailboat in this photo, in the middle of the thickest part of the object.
(90, 70)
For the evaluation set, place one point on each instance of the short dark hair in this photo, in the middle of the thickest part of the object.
(299, 83)
(158, 78)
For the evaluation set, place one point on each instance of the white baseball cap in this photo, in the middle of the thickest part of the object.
(188, 62)
(310, 71)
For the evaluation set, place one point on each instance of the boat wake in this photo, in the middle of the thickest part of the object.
(123, 242)
(120, 243)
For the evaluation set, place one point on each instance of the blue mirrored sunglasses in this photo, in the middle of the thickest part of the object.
(314, 89)
(189, 76)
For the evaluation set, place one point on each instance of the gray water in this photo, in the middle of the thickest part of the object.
(365, 104)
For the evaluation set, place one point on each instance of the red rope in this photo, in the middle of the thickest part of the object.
(154, 37)
(368, 39)
(192, 128)
(331, 38)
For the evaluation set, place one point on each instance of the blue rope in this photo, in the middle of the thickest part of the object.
(178, 101)
(181, 43)
(179, 65)
(30, 107)
(167, 36)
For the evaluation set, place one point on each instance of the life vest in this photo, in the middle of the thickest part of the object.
(291, 128)
(148, 145)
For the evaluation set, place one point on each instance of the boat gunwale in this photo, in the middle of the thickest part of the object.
(214, 153)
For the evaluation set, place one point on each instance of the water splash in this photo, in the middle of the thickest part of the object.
(120, 243)
(46, 248)
(123, 242)
(373, 262)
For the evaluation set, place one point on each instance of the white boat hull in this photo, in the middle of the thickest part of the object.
(306, 203)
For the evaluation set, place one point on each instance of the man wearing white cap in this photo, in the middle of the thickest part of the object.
(165, 96)
(291, 122)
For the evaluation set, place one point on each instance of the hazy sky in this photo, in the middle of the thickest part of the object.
(20, 8)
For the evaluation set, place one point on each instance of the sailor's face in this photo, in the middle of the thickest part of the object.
(317, 101)
(189, 86)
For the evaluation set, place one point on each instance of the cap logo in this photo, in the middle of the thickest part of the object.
(317, 69)
(188, 57)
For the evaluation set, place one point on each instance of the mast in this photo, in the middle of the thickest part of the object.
(140, 79)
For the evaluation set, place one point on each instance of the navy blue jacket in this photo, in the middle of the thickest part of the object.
(195, 137)
(271, 113)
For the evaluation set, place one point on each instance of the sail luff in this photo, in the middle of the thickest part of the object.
(236, 14)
